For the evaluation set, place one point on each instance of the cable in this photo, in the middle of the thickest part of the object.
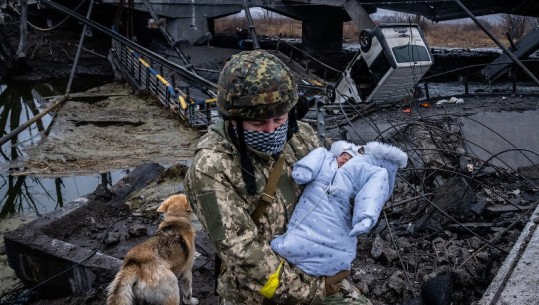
(53, 27)
(399, 255)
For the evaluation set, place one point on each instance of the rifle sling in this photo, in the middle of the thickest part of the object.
(267, 195)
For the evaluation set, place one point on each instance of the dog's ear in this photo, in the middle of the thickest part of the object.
(161, 208)
(164, 206)
(185, 203)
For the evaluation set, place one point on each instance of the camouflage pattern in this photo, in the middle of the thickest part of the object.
(336, 299)
(255, 85)
(218, 194)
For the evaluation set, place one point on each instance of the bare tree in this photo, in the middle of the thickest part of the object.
(264, 14)
(515, 25)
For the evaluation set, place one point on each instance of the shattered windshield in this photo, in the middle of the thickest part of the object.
(410, 53)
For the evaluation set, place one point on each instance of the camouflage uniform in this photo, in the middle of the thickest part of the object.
(218, 195)
(252, 273)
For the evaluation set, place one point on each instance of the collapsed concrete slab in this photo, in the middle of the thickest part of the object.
(516, 282)
(64, 253)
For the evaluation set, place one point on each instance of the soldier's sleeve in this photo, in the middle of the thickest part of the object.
(226, 217)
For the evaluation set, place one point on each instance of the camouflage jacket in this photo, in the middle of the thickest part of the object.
(215, 188)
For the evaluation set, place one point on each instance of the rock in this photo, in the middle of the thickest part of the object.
(390, 255)
(112, 239)
(475, 242)
(479, 206)
(396, 282)
(456, 254)
(103, 192)
(137, 230)
(464, 278)
(377, 247)
(485, 171)
(363, 286)
(455, 195)
(403, 243)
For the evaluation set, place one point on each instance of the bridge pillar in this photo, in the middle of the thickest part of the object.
(322, 35)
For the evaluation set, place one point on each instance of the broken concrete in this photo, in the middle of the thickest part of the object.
(105, 129)
(46, 255)
(80, 248)
(516, 282)
(409, 258)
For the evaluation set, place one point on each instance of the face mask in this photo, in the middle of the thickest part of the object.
(267, 142)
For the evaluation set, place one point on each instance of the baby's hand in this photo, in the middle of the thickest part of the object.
(362, 227)
(302, 175)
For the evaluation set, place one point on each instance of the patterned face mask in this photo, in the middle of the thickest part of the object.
(267, 142)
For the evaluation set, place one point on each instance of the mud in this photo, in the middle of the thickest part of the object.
(50, 54)
(109, 128)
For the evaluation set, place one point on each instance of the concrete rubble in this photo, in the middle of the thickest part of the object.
(446, 227)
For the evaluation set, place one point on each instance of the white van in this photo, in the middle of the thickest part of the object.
(391, 60)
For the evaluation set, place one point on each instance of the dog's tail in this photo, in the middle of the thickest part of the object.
(120, 290)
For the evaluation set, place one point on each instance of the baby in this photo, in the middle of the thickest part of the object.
(321, 236)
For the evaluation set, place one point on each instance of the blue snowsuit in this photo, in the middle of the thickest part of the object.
(321, 236)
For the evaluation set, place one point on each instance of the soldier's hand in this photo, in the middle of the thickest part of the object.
(333, 283)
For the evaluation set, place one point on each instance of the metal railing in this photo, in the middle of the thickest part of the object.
(142, 75)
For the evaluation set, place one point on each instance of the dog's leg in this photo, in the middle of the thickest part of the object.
(166, 291)
(186, 282)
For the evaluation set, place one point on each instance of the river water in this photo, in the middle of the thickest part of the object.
(30, 197)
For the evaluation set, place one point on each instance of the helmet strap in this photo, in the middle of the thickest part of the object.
(247, 169)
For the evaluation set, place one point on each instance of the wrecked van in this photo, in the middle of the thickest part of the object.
(390, 61)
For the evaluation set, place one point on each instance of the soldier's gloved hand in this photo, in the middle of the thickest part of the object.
(362, 227)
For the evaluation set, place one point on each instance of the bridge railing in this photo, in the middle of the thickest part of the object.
(142, 75)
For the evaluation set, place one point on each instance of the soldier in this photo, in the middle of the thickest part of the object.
(232, 187)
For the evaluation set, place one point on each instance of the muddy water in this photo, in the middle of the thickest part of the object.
(25, 196)
(510, 136)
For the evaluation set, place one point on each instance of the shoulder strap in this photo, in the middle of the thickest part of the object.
(267, 195)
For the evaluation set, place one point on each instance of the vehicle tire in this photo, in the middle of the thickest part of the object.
(365, 40)
(330, 93)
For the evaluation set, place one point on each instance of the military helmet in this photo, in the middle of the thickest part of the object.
(255, 85)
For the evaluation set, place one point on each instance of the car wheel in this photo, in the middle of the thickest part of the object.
(365, 40)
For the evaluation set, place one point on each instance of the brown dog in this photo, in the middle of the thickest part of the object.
(150, 270)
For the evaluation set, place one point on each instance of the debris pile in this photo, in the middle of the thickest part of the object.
(451, 222)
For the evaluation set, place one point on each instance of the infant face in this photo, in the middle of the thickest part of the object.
(343, 158)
